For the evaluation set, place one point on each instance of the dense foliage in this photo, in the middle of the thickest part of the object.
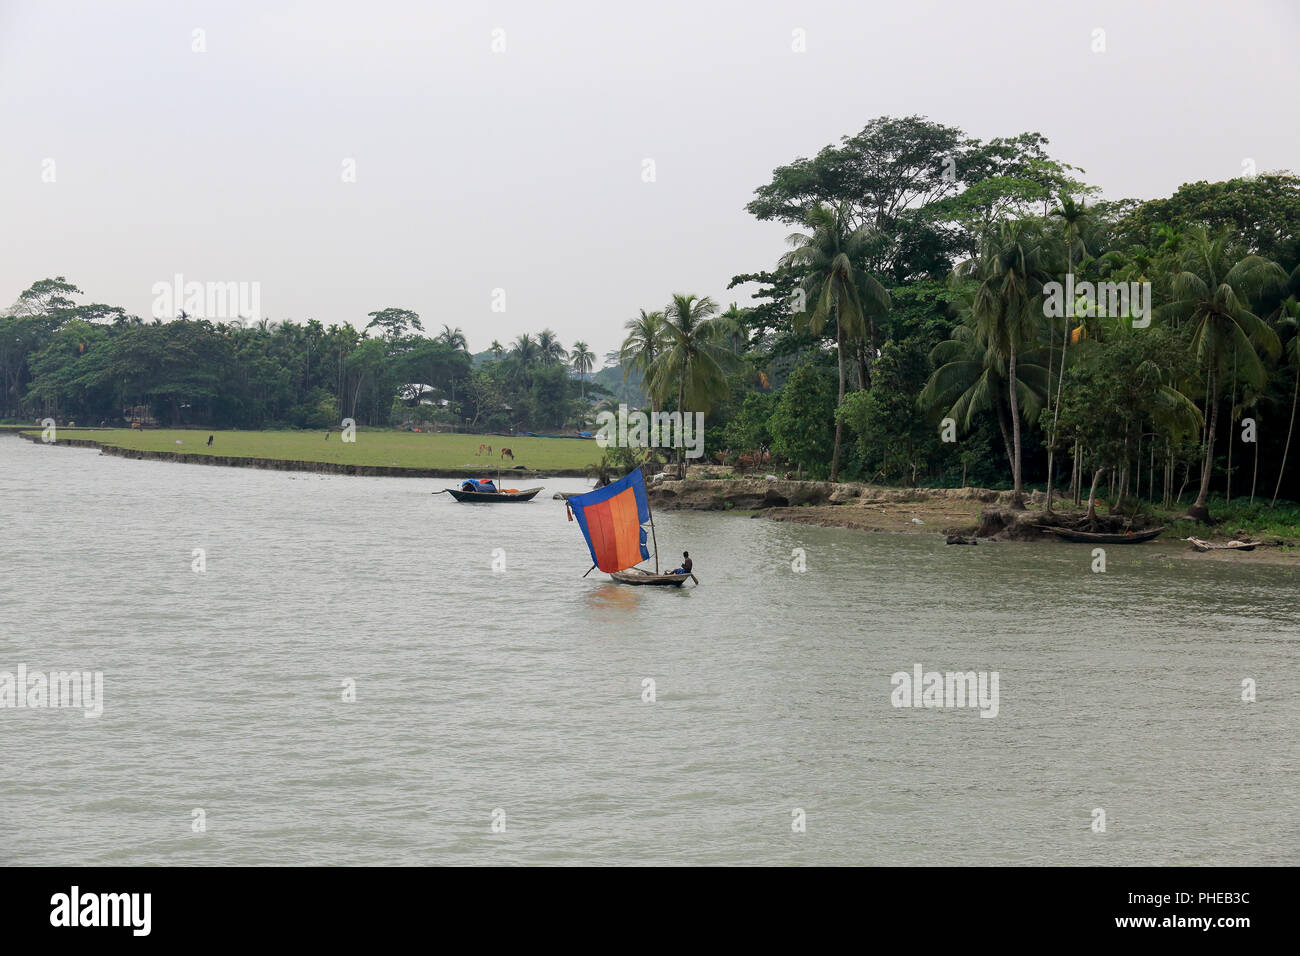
(950, 310)
(94, 363)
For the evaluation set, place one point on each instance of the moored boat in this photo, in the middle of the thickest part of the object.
(506, 494)
(1234, 545)
(1094, 537)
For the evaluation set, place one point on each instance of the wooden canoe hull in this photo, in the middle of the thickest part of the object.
(1090, 537)
(490, 497)
(641, 578)
(1200, 545)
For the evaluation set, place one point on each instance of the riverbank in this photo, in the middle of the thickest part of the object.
(978, 514)
(380, 453)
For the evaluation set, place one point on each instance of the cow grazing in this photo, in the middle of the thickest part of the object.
(507, 453)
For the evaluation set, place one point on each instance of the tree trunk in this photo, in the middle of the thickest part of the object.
(1006, 438)
(1078, 473)
(1050, 467)
(1018, 492)
(1254, 477)
(1051, 438)
(1232, 408)
(1092, 496)
(1199, 509)
(839, 425)
(681, 400)
(1282, 468)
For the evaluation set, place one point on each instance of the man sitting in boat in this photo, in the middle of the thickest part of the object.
(686, 564)
(478, 484)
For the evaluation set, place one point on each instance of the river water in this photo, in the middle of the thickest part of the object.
(499, 715)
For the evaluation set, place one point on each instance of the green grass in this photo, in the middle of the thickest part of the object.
(379, 447)
(1258, 520)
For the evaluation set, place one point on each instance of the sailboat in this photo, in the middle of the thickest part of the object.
(613, 520)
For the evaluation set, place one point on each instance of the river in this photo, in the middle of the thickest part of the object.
(500, 715)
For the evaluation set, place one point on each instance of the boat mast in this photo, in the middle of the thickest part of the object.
(652, 531)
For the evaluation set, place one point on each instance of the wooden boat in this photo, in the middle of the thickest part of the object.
(491, 496)
(1200, 545)
(1093, 537)
(640, 576)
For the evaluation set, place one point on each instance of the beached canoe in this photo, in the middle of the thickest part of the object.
(642, 577)
(1093, 537)
(492, 497)
(1200, 545)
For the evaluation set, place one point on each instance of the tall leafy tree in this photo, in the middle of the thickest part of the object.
(454, 338)
(1006, 308)
(645, 342)
(834, 286)
(549, 349)
(970, 379)
(1214, 288)
(582, 359)
(1290, 319)
(395, 323)
(694, 361)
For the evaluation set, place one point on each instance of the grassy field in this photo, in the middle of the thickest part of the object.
(380, 447)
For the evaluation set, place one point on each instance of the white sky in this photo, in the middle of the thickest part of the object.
(522, 170)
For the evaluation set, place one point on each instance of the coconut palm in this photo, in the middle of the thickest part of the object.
(833, 284)
(1006, 308)
(1213, 289)
(694, 358)
(969, 379)
(646, 338)
(497, 349)
(523, 356)
(1290, 319)
(1073, 217)
(582, 359)
(453, 337)
(549, 349)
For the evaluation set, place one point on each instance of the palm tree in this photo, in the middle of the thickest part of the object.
(694, 358)
(523, 356)
(1213, 290)
(497, 349)
(643, 345)
(1072, 217)
(582, 359)
(549, 349)
(1006, 306)
(1291, 318)
(969, 378)
(825, 259)
(453, 337)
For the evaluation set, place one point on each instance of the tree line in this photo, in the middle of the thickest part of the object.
(93, 364)
(948, 311)
(955, 310)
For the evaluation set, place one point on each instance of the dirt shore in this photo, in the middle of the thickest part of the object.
(971, 513)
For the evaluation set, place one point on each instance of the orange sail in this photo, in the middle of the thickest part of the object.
(611, 519)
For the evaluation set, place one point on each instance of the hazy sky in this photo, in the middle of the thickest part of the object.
(522, 169)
